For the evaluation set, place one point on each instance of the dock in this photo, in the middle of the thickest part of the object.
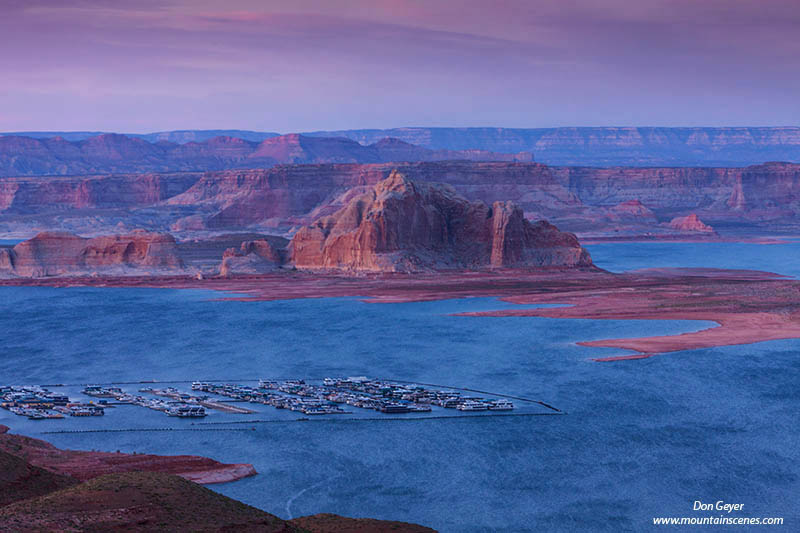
(176, 395)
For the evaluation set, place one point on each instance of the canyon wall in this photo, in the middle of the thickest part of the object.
(285, 196)
(766, 191)
(298, 194)
(34, 195)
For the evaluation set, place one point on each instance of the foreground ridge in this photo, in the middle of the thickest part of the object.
(37, 499)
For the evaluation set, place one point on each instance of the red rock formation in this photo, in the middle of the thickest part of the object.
(631, 210)
(58, 253)
(254, 257)
(737, 201)
(690, 223)
(400, 225)
(47, 254)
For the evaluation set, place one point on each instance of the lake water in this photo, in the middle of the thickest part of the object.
(640, 439)
(783, 258)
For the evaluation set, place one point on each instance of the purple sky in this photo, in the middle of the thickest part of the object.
(295, 65)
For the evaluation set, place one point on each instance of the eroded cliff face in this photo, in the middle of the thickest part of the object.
(254, 257)
(61, 253)
(401, 225)
(35, 195)
(658, 188)
(518, 242)
(768, 192)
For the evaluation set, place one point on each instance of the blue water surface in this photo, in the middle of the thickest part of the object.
(640, 439)
(781, 258)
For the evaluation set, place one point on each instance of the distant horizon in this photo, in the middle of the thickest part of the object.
(272, 131)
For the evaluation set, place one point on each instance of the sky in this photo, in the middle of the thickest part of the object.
(301, 65)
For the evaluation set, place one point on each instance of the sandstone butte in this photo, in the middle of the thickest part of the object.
(83, 465)
(631, 210)
(401, 225)
(690, 223)
(61, 253)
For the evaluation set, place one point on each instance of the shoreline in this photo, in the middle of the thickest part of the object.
(84, 465)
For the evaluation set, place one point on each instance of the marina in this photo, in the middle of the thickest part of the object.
(352, 397)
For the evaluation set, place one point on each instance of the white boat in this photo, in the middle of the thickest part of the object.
(187, 411)
(501, 405)
(470, 405)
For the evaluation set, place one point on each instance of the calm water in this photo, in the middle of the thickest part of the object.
(781, 258)
(641, 438)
